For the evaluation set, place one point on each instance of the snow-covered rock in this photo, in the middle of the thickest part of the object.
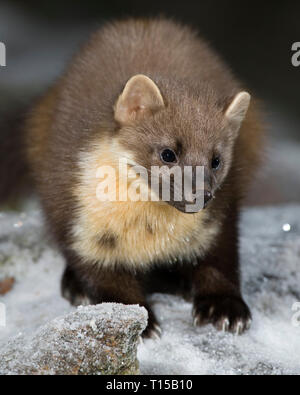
(93, 340)
(270, 257)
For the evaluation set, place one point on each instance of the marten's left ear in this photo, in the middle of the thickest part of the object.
(237, 110)
(140, 97)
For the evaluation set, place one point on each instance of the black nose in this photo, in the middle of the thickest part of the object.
(207, 197)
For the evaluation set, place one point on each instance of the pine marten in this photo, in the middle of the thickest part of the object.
(151, 92)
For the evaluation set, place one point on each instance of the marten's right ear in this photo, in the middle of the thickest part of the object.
(237, 110)
(140, 97)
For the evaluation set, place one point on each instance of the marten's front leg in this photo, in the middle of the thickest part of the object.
(216, 285)
(84, 283)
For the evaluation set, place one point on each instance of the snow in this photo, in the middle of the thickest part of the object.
(271, 281)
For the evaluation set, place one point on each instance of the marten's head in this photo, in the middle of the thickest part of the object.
(180, 129)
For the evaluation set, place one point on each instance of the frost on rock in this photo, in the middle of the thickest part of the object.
(93, 340)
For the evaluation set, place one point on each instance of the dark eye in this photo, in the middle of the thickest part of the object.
(168, 156)
(215, 163)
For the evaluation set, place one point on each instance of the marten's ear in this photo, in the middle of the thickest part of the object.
(238, 108)
(140, 97)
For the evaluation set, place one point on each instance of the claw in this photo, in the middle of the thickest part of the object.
(225, 325)
(211, 311)
(196, 321)
(248, 324)
(239, 328)
(154, 333)
(81, 301)
(157, 329)
(194, 312)
(155, 336)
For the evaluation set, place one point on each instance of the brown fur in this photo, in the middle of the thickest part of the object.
(14, 177)
(73, 131)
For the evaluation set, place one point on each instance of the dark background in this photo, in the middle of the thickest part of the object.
(255, 38)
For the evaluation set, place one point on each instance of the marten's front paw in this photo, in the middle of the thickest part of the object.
(226, 313)
(72, 289)
(153, 330)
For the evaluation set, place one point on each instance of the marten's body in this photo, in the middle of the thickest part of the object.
(177, 94)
